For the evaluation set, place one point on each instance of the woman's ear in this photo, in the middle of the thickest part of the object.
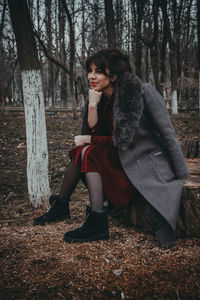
(114, 77)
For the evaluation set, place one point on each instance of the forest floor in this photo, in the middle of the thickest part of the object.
(35, 262)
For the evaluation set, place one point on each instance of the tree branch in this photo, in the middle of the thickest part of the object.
(51, 58)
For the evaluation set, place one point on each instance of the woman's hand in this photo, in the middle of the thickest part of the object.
(94, 98)
(81, 140)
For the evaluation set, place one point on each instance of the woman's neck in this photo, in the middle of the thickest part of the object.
(108, 92)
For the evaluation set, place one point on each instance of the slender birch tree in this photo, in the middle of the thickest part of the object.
(37, 153)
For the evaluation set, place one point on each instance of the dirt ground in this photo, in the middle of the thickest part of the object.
(36, 263)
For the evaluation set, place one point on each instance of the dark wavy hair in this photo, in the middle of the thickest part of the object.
(114, 59)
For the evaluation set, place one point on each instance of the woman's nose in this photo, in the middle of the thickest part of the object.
(93, 74)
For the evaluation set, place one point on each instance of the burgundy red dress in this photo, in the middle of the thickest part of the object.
(102, 156)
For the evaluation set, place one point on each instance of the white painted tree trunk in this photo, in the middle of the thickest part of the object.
(36, 139)
(174, 103)
(165, 98)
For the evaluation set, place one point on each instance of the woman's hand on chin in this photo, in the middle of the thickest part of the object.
(94, 97)
(81, 140)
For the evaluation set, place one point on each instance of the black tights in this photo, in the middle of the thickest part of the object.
(70, 181)
(93, 182)
(95, 187)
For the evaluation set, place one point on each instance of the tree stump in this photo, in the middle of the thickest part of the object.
(189, 217)
(192, 149)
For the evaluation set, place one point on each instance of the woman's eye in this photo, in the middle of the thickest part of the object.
(99, 71)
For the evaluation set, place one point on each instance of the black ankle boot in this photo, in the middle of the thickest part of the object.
(94, 228)
(57, 212)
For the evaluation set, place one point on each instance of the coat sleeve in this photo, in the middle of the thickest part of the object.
(158, 111)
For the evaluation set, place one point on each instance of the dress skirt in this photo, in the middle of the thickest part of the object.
(105, 160)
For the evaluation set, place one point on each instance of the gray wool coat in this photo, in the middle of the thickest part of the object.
(149, 151)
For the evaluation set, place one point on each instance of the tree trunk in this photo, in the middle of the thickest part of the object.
(137, 10)
(174, 104)
(63, 75)
(189, 219)
(110, 23)
(2, 19)
(198, 33)
(163, 57)
(154, 47)
(198, 51)
(50, 73)
(172, 45)
(119, 22)
(72, 59)
(37, 153)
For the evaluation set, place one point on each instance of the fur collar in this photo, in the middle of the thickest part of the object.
(127, 110)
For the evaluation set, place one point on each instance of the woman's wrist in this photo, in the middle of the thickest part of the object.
(92, 106)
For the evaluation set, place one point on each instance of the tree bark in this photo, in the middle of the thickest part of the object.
(2, 19)
(50, 73)
(63, 75)
(163, 56)
(137, 8)
(110, 23)
(119, 23)
(172, 45)
(37, 153)
(72, 59)
(154, 47)
(198, 33)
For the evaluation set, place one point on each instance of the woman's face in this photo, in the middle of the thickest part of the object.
(98, 80)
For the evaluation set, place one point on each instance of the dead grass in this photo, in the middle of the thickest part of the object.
(37, 264)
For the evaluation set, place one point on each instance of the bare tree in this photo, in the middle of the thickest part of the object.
(2, 18)
(37, 154)
(50, 73)
(119, 22)
(110, 23)
(137, 9)
(198, 32)
(63, 55)
(72, 58)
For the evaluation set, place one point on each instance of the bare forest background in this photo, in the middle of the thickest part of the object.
(161, 37)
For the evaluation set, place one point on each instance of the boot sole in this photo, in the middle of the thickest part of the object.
(53, 221)
(103, 236)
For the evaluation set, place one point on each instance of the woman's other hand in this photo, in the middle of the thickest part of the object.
(81, 140)
(94, 98)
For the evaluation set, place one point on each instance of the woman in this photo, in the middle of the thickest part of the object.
(127, 148)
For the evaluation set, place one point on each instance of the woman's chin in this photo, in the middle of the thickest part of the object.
(96, 89)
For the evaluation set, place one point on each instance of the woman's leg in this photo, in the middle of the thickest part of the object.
(60, 203)
(95, 226)
(95, 188)
(70, 181)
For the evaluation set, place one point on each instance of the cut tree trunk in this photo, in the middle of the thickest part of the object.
(192, 149)
(189, 217)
